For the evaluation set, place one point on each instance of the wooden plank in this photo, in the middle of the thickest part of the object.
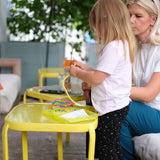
(13, 63)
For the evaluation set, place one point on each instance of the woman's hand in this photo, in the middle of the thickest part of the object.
(86, 86)
(86, 89)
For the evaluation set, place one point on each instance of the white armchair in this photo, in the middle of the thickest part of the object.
(11, 83)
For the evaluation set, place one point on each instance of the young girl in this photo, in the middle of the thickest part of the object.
(111, 80)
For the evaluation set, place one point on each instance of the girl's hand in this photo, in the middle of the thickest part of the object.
(80, 64)
(73, 70)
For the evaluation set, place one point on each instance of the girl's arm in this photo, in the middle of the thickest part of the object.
(148, 93)
(84, 66)
(92, 77)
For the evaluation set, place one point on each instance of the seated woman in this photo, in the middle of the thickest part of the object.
(144, 113)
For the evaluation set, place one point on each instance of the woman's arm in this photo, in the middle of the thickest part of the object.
(148, 93)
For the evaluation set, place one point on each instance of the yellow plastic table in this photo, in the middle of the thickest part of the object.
(35, 93)
(29, 117)
(48, 73)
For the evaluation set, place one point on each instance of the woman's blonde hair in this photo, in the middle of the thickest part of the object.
(152, 7)
(110, 20)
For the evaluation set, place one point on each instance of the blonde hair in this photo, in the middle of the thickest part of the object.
(109, 20)
(152, 7)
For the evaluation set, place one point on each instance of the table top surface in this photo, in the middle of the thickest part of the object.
(35, 93)
(29, 117)
(50, 70)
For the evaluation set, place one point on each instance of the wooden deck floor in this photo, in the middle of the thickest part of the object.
(43, 145)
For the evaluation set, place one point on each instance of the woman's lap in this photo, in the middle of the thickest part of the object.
(141, 119)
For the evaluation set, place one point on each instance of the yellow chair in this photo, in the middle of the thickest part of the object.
(23, 118)
(48, 73)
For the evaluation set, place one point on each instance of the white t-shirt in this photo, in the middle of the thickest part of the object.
(113, 93)
(146, 63)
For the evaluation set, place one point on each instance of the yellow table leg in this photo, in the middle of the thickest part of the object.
(40, 100)
(24, 98)
(67, 137)
(60, 146)
(40, 84)
(5, 142)
(40, 80)
(24, 145)
(92, 138)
